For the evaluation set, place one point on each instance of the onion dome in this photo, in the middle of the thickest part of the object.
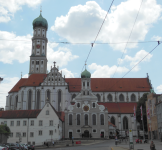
(85, 74)
(40, 22)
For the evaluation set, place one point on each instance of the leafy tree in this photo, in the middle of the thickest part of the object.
(142, 102)
(4, 129)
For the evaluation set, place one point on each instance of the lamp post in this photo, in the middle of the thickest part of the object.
(138, 125)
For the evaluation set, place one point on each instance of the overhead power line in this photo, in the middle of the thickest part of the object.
(137, 64)
(88, 43)
(128, 38)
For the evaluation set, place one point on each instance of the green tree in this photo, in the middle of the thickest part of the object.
(142, 102)
(4, 129)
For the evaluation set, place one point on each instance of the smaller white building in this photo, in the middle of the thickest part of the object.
(34, 126)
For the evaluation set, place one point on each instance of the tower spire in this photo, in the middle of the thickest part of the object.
(40, 9)
(85, 64)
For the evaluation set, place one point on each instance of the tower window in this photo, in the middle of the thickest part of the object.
(88, 93)
(83, 83)
(83, 92)
(43, 47)
(33, 47)
(43, 35)
(87, 83)
(32, 62)
(43, 30)
(39, 29)
(37, 62)
(38, 41)
(42, 62)
(37, 69)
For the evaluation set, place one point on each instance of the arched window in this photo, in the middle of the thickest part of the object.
(86, 119)
(59, 100)
(16, 102)
(94, 105)
(133, 98)
(109, 98)
(94, 119)
(112, 120)
(48, 95)
(102, 119)
(121, 98)
(87, 84)
(29, 100)
(22, 97)
(125, 123)
(78, 105)
(73, 96)
(78, 119)
(98, 96)
(70, 119)
(38, 100)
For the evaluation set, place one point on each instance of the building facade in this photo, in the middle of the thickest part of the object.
(34, 126)
(117, 96)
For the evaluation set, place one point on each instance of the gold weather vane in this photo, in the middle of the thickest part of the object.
(85, 65)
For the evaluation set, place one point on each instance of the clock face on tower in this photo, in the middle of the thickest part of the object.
(38, 46)
(86, 108)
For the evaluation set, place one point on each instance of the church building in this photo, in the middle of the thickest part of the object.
(88, 103)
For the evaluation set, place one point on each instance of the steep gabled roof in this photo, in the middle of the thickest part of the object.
(111, 84)
(19, 114)
(119, 107)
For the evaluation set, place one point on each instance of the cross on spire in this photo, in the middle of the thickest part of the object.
(40, 9)
(54, 63)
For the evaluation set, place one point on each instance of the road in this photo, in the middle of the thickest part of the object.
(106, 145)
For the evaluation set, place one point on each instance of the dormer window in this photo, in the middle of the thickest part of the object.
(47, 112)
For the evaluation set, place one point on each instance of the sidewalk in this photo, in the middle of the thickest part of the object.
(83, 143)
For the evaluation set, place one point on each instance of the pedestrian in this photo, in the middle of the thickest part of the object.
(152, 146)
(53, 143)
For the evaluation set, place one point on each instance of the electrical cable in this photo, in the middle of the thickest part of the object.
(136, 64)
(128, 38)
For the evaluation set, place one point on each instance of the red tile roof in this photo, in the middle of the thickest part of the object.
(19, 114)
(97, 84)
(124, 108)
(111, 84)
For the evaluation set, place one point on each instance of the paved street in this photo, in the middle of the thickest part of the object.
(107, 145)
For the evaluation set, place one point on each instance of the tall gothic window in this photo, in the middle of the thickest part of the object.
(16, 102)
(22, 97)
(86, 119)
(112, 120)
(121, 98)
(133, 98)
(48, 95)
(125, 123)
(59, 100)
(94, 119)
(102, 119)
(98, 96)
(38, 100)
(70, 119)
(78, 119)
(73, 96)
(29, 100)
(109, 98)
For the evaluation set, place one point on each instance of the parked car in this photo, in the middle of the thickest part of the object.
(11, 146)
(31, 147)
(3, 145)
(25, 146)
(3, 148)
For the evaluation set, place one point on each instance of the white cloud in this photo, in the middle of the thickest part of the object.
(105, 71)
(134, 60)
(156, 38)
(61, 56)
(159, 89)
(82, 22)
(9, 7)
(14, 50)
(5, 86)
(67, 73)
(25, 76)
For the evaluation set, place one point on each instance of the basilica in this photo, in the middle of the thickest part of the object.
(87, 105)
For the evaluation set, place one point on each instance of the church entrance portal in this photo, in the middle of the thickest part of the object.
(86, 133)
(102, 134)
(70, 135)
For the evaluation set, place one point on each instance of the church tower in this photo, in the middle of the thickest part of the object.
(38, 58)
(86, 82)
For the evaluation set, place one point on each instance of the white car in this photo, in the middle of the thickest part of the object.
(3, 148)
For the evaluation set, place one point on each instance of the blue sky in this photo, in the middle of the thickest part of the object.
(79, 22)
